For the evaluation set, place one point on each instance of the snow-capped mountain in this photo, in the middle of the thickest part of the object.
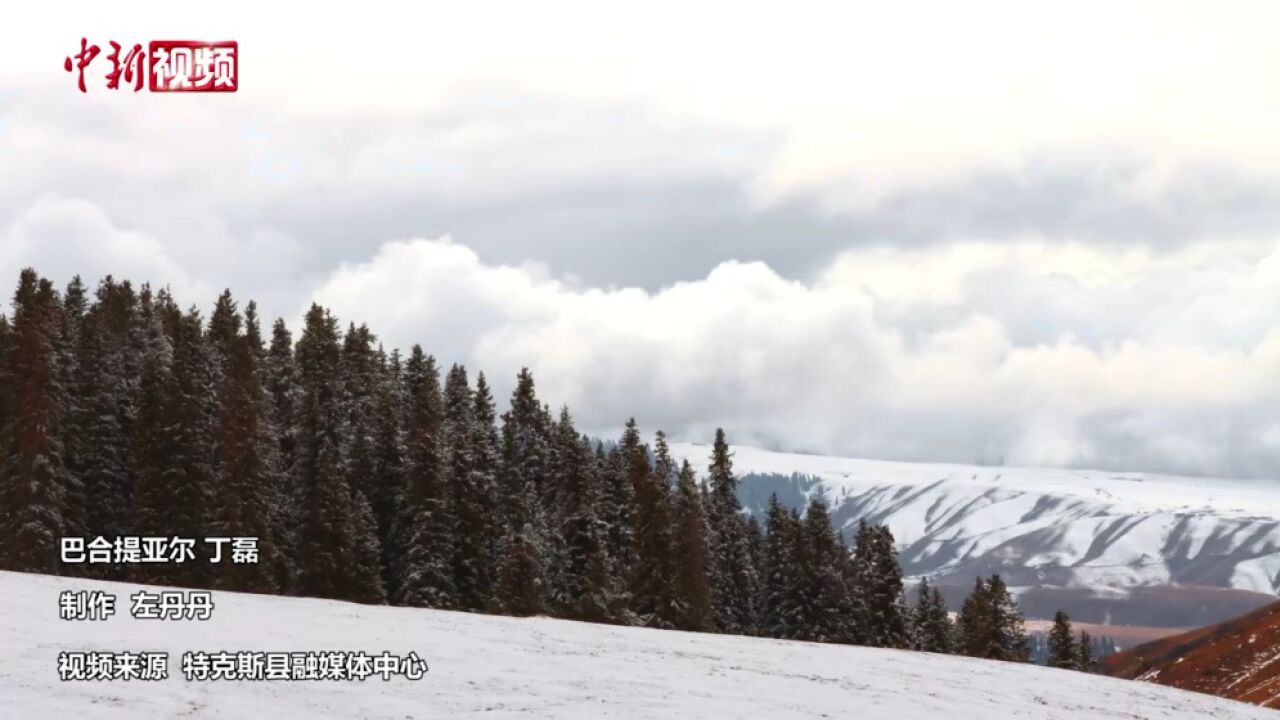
(1039, 527)
(499, 667)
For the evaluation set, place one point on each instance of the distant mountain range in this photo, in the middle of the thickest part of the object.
(1111, 547)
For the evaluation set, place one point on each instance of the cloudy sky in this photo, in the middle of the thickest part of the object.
(1031, 233)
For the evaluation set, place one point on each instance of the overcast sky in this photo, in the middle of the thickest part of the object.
(1031, 233)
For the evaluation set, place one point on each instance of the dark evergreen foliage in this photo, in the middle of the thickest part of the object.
(173, 445)
(990, 625)
(424, 529)
(1087, 655)
(733, 575)
(337, 536)
(526, 468)
(652, 596)
(583, 587)
(933, 630)
(248, 483)
(386, 486)
(880, 577)
(822, 602)
(1063, 652)
(778, 570)
(102, 425)
(471, 490)
(691, 585)
(617, 507)
(33, 470)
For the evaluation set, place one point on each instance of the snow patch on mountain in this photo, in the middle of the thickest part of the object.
(1039, 526)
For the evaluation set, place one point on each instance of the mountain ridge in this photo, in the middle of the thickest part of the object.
(1046, 528)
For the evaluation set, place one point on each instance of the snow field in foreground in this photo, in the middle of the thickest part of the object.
(494, 667)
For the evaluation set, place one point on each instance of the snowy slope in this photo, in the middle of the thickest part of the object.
(1040, 526)
(538, 668)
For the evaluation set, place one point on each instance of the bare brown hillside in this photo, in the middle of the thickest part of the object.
(1237, 659)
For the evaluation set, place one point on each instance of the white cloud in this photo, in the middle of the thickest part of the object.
(63, 237)
(997, 231)
(868, 97)
(66, 236)
(821, 366)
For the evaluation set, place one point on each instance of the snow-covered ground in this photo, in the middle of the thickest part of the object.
(1045, 526)
(493, 667)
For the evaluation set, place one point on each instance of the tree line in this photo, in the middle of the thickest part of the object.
(377, 477)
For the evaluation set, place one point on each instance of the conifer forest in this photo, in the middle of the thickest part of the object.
(376, 476)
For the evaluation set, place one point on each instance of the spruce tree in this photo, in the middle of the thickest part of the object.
(880, 582)
(74, 307)
(425, 528)
(779, 586)
(33, 474)
(364, 577)
(933, 629)
(279, 494)
(617, 509)
(281, 378)
(283, 394)
(1063, 652)
(174, 446)
(755, 550)
(247, 479)
(8, 503)
(822, 607)
(651, 580)
(520, 573)
(521, 587)
(599, 602)
(990, 624)
(360, 369)
(485, 467)
(582, 588)
(6, 385)
(194, 406)
(471, 492)
(973, 631)
(329, 533)
(388, 485)
(734, 578)
(1087, 658)
(102, 422)
(337, 541)
(224, 327)
(526, 465)
(691, 584)
(1008, 619)
(526, 442)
